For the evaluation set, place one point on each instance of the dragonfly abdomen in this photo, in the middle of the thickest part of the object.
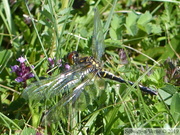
(106, 74)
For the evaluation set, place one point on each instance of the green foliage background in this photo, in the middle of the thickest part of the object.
(148, 32)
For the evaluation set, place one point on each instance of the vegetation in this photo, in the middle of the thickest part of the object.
(141, 44)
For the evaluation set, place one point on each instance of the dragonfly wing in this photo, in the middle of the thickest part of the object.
(38, 90)
(65, 105)
(98, 37)
(48, 88)
(52, 86)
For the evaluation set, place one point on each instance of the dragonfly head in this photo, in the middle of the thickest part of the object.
(73, 57)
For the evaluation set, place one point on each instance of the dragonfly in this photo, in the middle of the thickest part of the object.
(77, 77)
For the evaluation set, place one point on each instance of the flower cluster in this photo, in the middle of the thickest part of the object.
(53, 63)
(172, 71)
(123, 56)
(22, 71)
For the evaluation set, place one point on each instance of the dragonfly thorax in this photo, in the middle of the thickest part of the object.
(74, 59)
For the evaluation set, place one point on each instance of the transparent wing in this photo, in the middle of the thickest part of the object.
(98, 37)
(66, 106)
(48, 88)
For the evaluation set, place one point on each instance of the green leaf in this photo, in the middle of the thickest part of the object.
(171, 89)
(175, 106)
(168, 51)
(131, 23)
(115, 22)
(156, 29)
(153, 53)
(131, 19)
(144, 18)
(165, 96)
(148, 28)
(28, 131)
(113, 34)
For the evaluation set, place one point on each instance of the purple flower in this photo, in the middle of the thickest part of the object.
(21, 59)
(19, 79)
(39, 133)
(14, 68)
(53, 63)
(27, 19)
(67, 66)
(123, 56)
(59, 63)
(22, 71)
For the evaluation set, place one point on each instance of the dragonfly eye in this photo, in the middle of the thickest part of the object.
(73, 57)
